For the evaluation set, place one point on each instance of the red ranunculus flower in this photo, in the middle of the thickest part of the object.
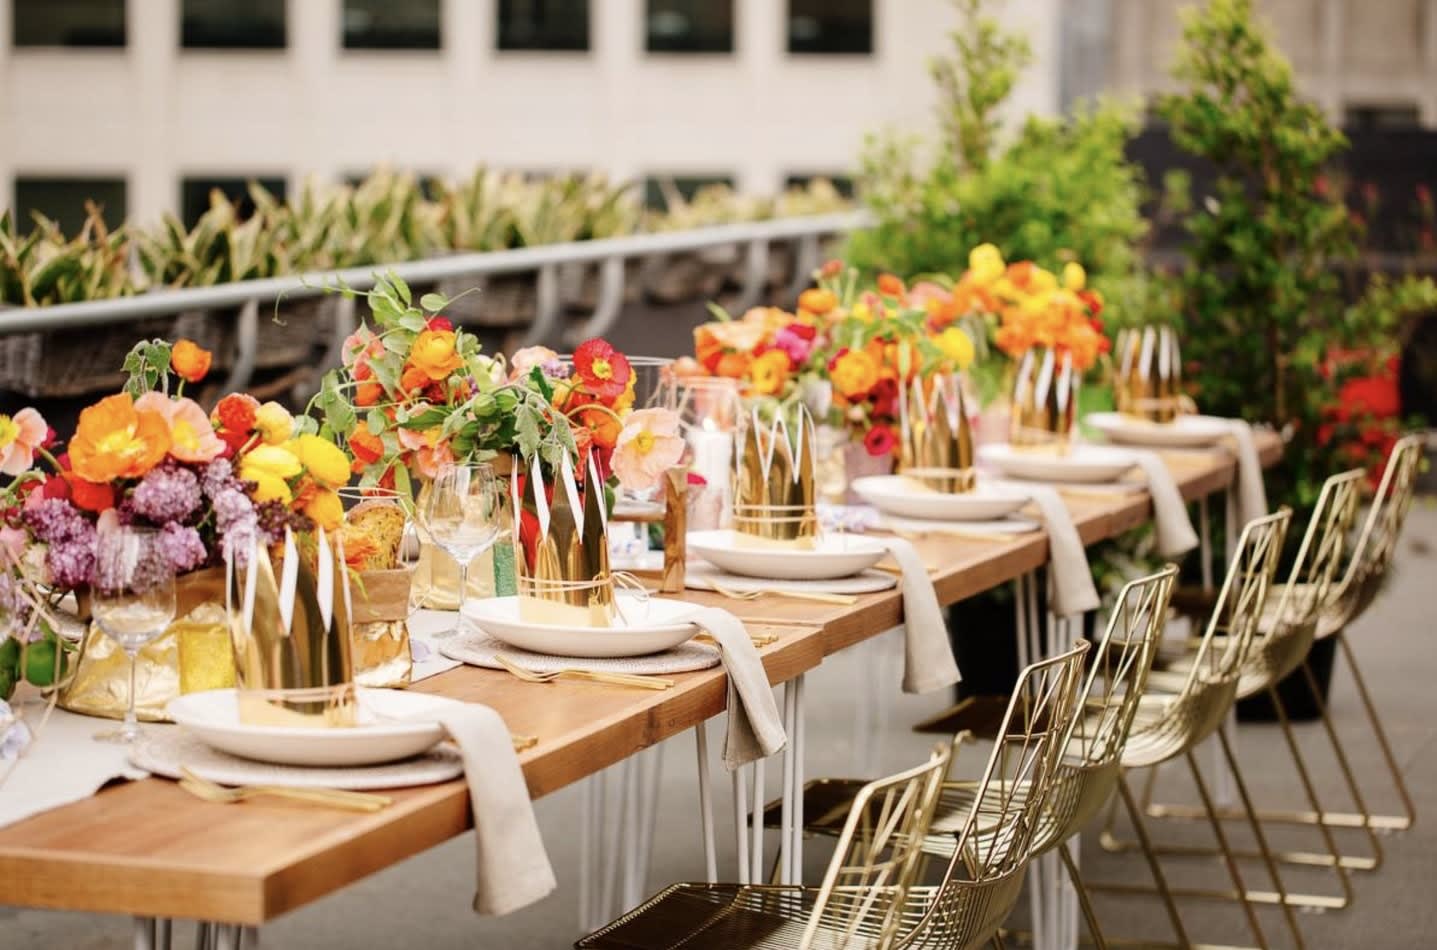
(603, 370)
(439, 323)
(880, 440)
(91, 496)
(885, 396)
(1371, 395)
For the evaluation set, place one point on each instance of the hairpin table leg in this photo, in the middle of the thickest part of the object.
(706, 805)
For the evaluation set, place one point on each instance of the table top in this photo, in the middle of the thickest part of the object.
(147, 848)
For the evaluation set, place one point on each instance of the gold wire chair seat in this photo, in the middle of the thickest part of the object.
(1166, 725)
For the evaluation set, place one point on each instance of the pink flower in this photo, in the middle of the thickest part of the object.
(427, 453)
(20, 436)
(361, 344)
(648, 445)
(12, 544)
(192, 435)
(526, 359)
(797, 341)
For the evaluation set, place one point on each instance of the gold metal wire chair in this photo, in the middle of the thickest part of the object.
(1286, 632)
(1367, 570)
(861, 902)
(1169, 725)
(988, 836)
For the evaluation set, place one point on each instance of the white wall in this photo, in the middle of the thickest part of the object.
(152, 113)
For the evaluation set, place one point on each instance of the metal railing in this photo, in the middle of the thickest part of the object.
(610, 254)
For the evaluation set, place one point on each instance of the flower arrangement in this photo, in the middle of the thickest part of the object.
(415, 394)
(845, 352)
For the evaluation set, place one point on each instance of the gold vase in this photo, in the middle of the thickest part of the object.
(936, 447)
(1045, 401)
(193, 654)
(290, 619)
(1147, 383)
(774, 496)
(561, 548)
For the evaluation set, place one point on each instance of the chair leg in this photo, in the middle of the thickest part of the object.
(1084, 901)
(1228, 858)
(1241, 785)
(1154, 867)
(1395, 822)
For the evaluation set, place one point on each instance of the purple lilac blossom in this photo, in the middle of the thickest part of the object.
(170, 493)
(218, 476)
(71, 539)
(236, 522)
(182, 547)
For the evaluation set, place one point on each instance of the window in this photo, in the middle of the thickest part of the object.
(687, 186)
(195, 194)
(843, 184)
(544, 25)
(1374, 118)
(69, 22)
(690, 26)
(385, 24)
(63, 200)
(830, 26)
(232, 24)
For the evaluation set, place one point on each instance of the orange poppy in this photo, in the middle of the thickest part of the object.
(113, 440)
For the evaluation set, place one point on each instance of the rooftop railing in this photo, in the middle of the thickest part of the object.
(547, 326)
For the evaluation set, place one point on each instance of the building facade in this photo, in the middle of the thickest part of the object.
(1369, 63)
(148, 102)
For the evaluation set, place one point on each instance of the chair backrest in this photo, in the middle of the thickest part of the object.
(1119, 670)
(878, 854)
(1372, 554)
(1234, 621)
(1323, 545)
(996, 839)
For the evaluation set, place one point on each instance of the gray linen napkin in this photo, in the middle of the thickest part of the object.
(755, 730)
(513, 868)
(1251, 494)
(1173, 524)
(928, 662)
(1072, 588)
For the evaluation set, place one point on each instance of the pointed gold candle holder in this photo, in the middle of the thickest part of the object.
(561, 549)
(290, 627)
(1148, 381)
(773, 493)
(1045, 401)
(936, 448)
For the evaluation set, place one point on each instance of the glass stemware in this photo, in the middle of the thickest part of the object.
(464, 516)
(133, 600)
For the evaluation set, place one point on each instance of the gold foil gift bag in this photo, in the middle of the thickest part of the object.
(290, 624)
(379, 628)
(561, 548)
(936, 448)
(193, 654)
(1045, 401)
(773, 488)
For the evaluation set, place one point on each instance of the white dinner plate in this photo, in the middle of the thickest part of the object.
(393, 725)
(645, 626)
(1089, 464)
(1184, 432)
(908, 498)
(835, 555)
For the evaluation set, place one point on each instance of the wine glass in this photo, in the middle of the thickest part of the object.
(464, 517)
(133, 598)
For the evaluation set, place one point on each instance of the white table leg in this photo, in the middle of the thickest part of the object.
(1020, 617)
(756, 848)
(144, 933)
(706, 806)
(1205, 541)
(785, 834)
(740, 821)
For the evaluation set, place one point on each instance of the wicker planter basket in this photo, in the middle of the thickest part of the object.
(84, 360)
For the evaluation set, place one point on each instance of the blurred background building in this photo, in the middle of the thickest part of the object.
(145, 105)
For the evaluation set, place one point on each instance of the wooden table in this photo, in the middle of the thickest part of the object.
(149, 849)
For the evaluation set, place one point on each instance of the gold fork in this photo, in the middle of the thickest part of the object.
(592, 676)
(843, 600)
(334, 797)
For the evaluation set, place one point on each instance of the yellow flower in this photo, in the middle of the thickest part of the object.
(1074, 277)
(1044, 280)
(324, 460)
(270, 467)
(769, 372)
(986, 263)
(325, 509)
(854, 373)
(274, 423)
(956, 347)
(862, 312)
(436, 353)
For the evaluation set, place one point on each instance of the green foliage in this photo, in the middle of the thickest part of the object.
(147, 367)
(44, 267)
(1061, 190)
(1262, 302)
